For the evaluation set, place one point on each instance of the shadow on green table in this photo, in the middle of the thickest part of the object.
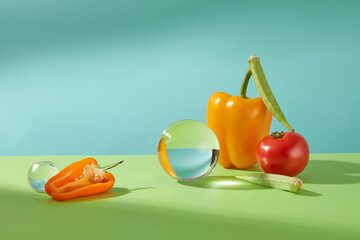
(114, 192)
(326, 172)
(331, 172)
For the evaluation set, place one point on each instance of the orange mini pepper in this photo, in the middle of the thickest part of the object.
(239, 122)
(81, 178)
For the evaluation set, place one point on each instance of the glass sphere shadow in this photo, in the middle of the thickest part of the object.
(223, 183)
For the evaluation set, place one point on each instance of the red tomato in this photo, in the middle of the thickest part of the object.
(283, 153)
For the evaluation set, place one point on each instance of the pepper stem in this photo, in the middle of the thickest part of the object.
(110, 166)
(245, 83)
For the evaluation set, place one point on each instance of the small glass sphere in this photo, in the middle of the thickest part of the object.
(39, 173)
(188, 150)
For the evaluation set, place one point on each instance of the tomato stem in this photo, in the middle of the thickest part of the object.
(277, 135)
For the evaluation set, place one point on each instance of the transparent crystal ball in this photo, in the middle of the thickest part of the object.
(39, 173)
(188, 150)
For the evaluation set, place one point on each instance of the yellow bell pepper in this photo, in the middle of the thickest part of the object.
(239, 122)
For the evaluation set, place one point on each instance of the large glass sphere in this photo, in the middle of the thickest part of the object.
(188, 150)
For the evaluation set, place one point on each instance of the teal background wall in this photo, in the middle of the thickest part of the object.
(106, 77)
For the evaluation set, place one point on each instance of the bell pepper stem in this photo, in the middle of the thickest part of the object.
(265, 92)
(245, 83)
(110, 166)
(281, 182)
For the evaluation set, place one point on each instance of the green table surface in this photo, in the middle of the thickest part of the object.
(146, 203)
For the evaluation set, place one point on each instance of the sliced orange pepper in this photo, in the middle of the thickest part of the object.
(82, 178)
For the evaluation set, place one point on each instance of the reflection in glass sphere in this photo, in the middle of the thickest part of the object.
(188, 150)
